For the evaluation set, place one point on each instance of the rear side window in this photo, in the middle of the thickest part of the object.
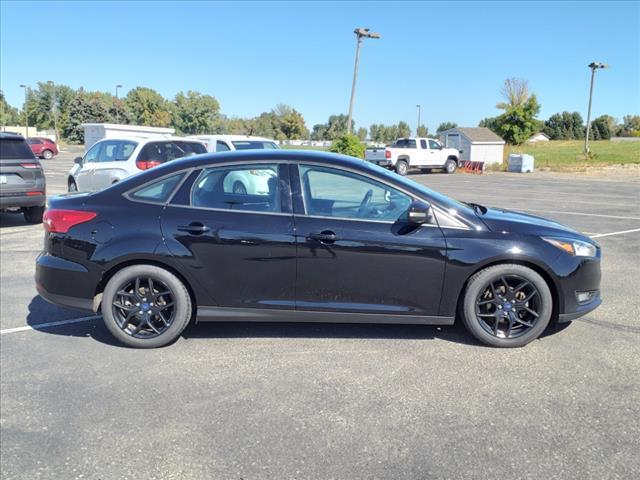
(14, 149)
(116, 151)
(423, 144)
(252, 188)
(166, 151)
(158, 192)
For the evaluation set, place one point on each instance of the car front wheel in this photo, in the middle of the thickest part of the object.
(146, 306)
(507, 305)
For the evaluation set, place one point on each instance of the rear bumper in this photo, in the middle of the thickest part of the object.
(16, 201)
(381, 163)
(65, 283)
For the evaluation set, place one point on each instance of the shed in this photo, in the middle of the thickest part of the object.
(97, 131)
(477, 144)
(538, 137)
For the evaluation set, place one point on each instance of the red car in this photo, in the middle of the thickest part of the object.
(43, 147)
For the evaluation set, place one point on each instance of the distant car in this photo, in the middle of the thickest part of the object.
(43, 147)
(113, 159)
(22, 181)
(406, 153)
(226, 143)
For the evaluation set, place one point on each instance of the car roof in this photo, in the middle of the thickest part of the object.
(153, 138)
(11, 136)
(231, 138)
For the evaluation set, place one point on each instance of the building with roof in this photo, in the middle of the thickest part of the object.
(538, 137)
(477, 144)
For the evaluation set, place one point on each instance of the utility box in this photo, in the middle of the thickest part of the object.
(520, 163)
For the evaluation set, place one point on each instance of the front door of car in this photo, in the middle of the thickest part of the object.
(232, 229)
(110, 166)
(84, 177)
(356, 250)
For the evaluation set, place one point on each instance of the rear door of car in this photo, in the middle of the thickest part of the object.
(111, 163)
(36, 145)
(20, 170)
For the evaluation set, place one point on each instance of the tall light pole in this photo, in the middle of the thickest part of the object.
(593, 66)
(360, 34)
(53, 108)
(117, 87)
(26, 114)
(116, 105)
(418, 127)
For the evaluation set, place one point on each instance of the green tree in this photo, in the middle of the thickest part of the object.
(84, 108)
(290, 123)
(600, 128)
(8, 114)
(376, 133)
(422, 131)
(319, 131)
(630, 126)
(195, 113)
(446, 126)
(148, 107)
(404, 130)
(362, 134)
(564, 126)
(518, 123)
(348, 144)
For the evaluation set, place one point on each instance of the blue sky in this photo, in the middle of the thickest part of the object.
(449, 57)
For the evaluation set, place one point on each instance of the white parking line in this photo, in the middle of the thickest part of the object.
(47, 325)
(615, 233)
(576, 213)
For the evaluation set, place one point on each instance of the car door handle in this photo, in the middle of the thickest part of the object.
(326, 236)
(194, 228)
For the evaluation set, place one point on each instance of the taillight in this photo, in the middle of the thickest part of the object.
(387, 154)
(146, 164)
(60, 221)
(34, 193)
(29, 165)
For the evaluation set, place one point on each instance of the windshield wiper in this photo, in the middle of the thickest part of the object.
(481, 209)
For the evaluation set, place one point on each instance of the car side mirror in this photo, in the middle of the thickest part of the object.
(77, 160)
(419, 212)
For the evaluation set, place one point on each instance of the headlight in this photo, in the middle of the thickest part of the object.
(577, 248)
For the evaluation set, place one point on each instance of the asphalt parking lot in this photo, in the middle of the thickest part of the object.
(321, 401)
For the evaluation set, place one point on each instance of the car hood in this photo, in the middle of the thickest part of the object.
(497, 219)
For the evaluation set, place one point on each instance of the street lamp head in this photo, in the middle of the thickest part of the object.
(118, 86)
(364, 32)
(594, 65)
(23, 86)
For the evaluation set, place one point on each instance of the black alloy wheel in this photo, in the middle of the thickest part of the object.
(144, 307)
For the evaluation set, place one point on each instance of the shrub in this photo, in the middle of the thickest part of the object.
(348, 144)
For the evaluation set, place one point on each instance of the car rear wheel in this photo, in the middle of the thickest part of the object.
(145, 306)
(47, 154)
(72, 186)
(450, 166)
(402, 167)
(33, 214)
(239, 188)
(507, 305)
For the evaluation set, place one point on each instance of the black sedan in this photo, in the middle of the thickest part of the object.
(307, 237)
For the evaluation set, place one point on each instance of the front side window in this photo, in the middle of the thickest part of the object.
(253, 188)
(433, 145)
(116, 151)
(331, 192)
(222, 146)
(92, 154)
(158, 192)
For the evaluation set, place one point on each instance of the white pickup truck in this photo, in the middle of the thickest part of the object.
(406, 153)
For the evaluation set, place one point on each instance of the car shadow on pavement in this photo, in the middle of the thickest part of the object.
(42, 312)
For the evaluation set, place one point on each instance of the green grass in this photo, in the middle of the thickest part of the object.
(567, 154)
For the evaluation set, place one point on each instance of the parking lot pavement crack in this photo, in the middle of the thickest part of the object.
(611, 325)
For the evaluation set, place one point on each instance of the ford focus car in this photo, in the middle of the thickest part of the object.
(328, 239)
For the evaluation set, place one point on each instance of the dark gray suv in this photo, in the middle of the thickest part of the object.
(22, 182)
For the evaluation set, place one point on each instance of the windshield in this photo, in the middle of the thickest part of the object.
(254, 145)
(404, 143)
(443, 200)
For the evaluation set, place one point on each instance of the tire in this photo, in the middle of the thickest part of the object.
(176, 314)
(239, 188)
(479, 306)
(47, 154)
(402, 167)
(450, 166)
(72, 187)
(33, 214)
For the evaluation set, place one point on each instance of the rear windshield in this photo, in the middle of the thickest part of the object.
(166, 151)
(14, 149)
(254, 145)
(404, 143)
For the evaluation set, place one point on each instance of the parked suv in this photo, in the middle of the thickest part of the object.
(43, 147)
(22, 182)
(113, 159)
(226, 143)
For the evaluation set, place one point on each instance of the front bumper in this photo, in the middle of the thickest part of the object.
(576, 275)
(18, 201)
(65, 283)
